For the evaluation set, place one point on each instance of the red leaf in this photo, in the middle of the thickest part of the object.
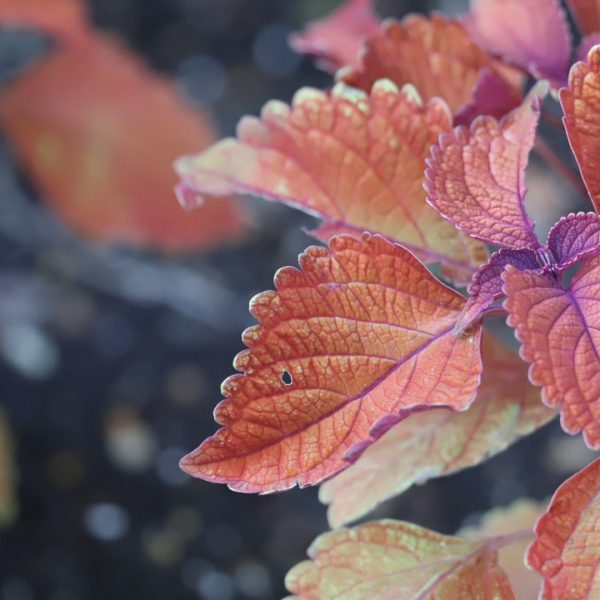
(581, 105)
(476, 176)
(355, 161)
(532, 34)
(587, 13)
(65, 19)
(559, 331)
(566, 551)
(393, 560)
(435, 54)
(439, 442)
(337, 39)
(362, 332)
(97, 133)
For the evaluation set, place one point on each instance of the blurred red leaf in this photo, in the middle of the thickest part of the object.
(587, 13)
(393, 560)
(435, 54)
(581, 106)
(559, 332)
(358, 335)
(438, 442)
(98, 133)
(355, 161)
(336, 40)
(566, 551)
(532, 34)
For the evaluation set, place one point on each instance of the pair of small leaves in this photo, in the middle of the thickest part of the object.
(104, 165)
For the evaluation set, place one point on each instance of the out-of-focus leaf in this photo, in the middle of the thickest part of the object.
(392, 560)
(435, 54)
(356, 161)
(476, 176)
(8, 501)
(519, 516)
(532, 34)
(336, 40)
(439, 442)
(361, 333)
(98, 133)
(581, 106)
(566, 551)
(587, 13)
(559, 330)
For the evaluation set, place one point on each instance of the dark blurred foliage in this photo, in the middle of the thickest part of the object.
(112, 360)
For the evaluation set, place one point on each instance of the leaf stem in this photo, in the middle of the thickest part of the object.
(548, 154)
(553, 121)
(511, 538)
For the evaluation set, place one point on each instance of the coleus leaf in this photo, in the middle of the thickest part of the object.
(587, 13)
(337, 39)
(354, 160)
(435, 54)
(64, 19)
(586, 44)
(566, 551)
(558, 329)
(520, 516)
(531, 34)
(574, 238)
(438, 442)
(359, 334)
(581, 106)
(386, 559)
(75, 123)
(476, 176)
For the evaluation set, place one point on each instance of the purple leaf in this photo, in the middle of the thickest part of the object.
(573, 238)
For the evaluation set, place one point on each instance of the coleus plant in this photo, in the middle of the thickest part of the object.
(366, 372)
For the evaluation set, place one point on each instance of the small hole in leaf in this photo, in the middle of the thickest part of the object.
(286, 378)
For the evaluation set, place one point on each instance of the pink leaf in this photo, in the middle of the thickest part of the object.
(574, 238)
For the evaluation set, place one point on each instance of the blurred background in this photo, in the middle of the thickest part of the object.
(111, 358)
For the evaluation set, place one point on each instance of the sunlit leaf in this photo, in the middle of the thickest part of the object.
(355, 161)
(389, 560)
(435, 54)
(439, 442)
(581, 105)
(97, 133)
(521, 515)
(566, 551)
(587, 13)
(64, 19)
(574, 238)
(359, 334)
(476, 176)
(532, 34)
(559, 330)
(336, 40)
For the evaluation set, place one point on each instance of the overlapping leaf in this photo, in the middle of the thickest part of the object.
(532, 34)
(587, 13)
(566, 551)
(581, 106)
(439, 442)
(337, 39)
(435, 54)
(97, 133)
(354, 160)
(476, 176)
(574, 238)
(559, 331)
(388, 560)
(361, 333)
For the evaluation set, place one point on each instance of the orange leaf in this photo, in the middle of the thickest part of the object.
(438, 442)
(566, 551)
(353, 160)
(435, 54)
(392, 560)
(98, 133)
(581, 106)
(361, 333)
(587, 13)
(65, 19)
(558, 329)
(336, 40)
